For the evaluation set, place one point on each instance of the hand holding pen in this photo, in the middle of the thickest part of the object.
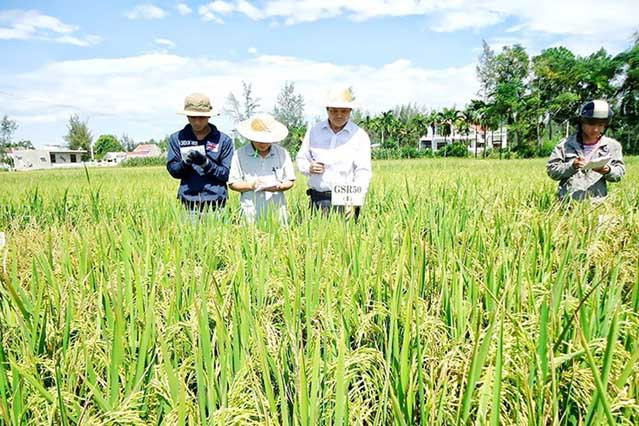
(316, 167)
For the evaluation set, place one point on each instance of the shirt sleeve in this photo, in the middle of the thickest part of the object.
(303, 155)
(362, 164)
(288, 173)
(220, 169)
(235, 174)
(557, 167)
(174, 163)
(617, 166)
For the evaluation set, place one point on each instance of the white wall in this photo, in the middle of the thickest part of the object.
(31, 159)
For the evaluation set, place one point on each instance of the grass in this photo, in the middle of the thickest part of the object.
(465, 295)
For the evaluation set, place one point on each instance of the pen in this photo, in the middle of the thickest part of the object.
(275, 174)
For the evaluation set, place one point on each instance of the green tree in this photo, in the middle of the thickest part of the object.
(294, 139)
(388, 124)
(243, 108)
(127, 142)
(447, 118)
(486, 71)
(407, 129)
(78, 135)
(289, 109)
(419, 125)
(597, 72)
(7, 129)
(512, 67)
(475, 112)
(164, 143)
(556, 83)
(104, 144)
(627, 120)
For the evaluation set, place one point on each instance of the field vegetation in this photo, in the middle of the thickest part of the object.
(464, 295)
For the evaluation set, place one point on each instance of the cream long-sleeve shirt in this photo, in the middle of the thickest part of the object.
(346, 156)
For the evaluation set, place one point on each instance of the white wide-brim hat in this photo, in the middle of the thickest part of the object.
(262, 128)
(340, 98)
(197, 105)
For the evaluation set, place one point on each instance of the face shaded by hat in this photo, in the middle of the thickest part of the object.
(197, 105)
(262, 128)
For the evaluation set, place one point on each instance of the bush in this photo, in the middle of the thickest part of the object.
(456, 149)
(404, 152)
(144, 162)
(548, 145)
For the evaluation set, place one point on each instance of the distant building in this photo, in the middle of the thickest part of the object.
(487, 139)
(46, 158)
(115, 157)
(145, 150)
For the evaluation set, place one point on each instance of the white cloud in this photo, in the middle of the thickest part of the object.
(616, 19)
(248, 9)
(207, 13)
(146, 11)
(459, 20)
(213, 10)
(252, 50)
(33, 25)
(164, 42)
(139, 95)
(79, 41)
(183, 9)
(221, 7)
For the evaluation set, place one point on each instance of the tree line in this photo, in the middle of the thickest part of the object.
(535, 98)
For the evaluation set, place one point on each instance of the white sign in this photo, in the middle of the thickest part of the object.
(3, 240)
(185, 150)
(347, 195)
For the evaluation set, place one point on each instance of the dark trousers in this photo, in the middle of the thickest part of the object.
(203, 206)
(321, 201)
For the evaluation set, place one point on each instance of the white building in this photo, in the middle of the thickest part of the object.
(493, 139)
(46, 158)
(145, 150)
(115, 157)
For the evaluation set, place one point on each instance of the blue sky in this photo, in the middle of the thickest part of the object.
(126, 66)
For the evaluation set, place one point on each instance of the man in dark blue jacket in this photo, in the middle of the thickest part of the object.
(200, 156)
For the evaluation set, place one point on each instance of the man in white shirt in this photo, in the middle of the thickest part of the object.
(335, 152)
(262, 170)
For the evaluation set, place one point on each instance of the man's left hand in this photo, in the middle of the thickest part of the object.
(197, 158)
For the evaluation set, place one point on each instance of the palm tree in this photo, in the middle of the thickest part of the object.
(419, 124)
(463, 124)
(449, 118)
(434, 120)
(388, 124)
(475, 112)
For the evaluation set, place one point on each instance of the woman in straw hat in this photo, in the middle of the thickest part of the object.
(262, 170)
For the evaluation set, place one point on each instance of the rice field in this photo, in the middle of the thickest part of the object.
(464, 295)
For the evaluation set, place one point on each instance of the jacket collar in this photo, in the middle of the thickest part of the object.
(349, 127)
(578, 147)
(213, 135)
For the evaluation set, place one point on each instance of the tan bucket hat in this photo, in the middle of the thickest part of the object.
(197, 105)
(262, 128)
(340, 98)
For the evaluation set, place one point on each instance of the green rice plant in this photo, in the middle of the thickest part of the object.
(463, 295)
